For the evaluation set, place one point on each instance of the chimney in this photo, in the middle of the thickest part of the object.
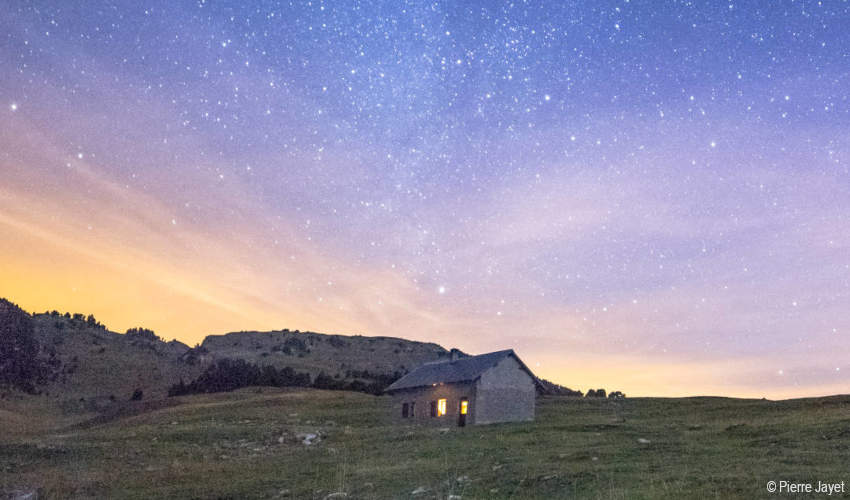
(455, 354)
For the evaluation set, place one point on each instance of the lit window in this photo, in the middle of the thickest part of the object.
(464, 406)
(441, 407)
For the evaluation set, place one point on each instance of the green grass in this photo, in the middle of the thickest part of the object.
(244, 445)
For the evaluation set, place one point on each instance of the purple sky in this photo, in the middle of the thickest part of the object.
(644, 196)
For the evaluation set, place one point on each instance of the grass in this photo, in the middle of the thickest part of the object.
(246, 445)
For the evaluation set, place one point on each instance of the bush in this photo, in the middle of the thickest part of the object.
(295, 344)
(144, 334)
(547, 388)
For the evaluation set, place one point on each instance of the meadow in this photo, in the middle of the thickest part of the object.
(252, 443)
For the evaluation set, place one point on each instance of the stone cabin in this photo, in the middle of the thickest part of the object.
(483, 389)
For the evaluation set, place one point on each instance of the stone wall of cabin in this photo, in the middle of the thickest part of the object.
(505, 393)
(422, 398)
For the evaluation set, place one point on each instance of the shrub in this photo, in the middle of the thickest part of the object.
(143, 334)
(547, 388)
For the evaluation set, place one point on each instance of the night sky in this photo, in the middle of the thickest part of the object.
(645, 196)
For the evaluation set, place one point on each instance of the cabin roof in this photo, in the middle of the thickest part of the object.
(460, 370)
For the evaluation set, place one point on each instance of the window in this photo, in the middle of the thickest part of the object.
(441, 407)
(404, 410)
(412, 407)
(433, 409)
(464, 407)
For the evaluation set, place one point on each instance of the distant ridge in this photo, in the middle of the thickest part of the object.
(92, 367)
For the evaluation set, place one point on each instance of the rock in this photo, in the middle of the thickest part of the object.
(308, 438)
(23, 495)
(494, 490)
(281, 439)
(644, 441)
(420, 490)
(444, 430)
(497, 467)
(594, 458)
(547, 478)
(454, 497)
(338, 494)
(174, 423)
(463, 479)
(283, 493)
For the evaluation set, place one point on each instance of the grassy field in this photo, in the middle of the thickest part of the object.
(249, 444)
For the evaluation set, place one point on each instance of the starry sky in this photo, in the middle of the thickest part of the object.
(638, 195)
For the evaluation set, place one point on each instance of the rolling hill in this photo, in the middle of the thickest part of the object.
(91, 366)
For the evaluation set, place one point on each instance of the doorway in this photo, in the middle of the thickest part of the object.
(463, 409)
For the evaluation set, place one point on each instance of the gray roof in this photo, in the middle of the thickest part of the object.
(461, 370)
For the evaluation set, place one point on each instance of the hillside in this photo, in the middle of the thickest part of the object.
(92, 367)
(98, 365)
(79, 367)
(251, 444)
(316, 352)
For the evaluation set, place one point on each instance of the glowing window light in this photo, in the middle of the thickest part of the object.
(464, 406)
(441, 407)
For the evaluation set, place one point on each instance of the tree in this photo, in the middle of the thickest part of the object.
(20, 366)
(144, 334)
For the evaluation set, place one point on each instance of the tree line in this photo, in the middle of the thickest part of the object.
(230, 374)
